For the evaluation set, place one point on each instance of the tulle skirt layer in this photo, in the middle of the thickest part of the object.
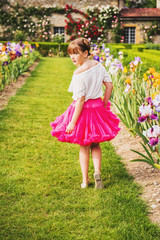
(95, 124)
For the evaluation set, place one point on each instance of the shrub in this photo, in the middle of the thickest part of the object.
(52, 49)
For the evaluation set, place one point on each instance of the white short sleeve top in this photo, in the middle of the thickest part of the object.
(89, 83)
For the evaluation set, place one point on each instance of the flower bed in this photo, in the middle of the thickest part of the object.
(137, 99)
(15, 59)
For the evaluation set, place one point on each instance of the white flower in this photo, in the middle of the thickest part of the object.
(144, 133)
(145, 110)
(120, 53)
(112, 70)
(135, 63)
(156, 101)
(108, 63)
(107, 50)
(153, 132)
(127, 88)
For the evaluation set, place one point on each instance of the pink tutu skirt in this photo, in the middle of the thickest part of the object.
(95, 124)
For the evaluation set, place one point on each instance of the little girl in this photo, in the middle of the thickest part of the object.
(88, 120)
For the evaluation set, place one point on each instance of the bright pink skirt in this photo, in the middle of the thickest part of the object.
(95, 124)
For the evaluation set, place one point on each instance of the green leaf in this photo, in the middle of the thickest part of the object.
(145, 140)
(143, 160)
(158, 148)
(142, 155)
(150, 156)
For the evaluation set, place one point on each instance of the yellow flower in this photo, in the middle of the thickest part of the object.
(3, 48)
(4, 57)
(158, 81)
(125, 69)
(128, 81)
(151, 71)
(157, 165)
(37, 45)
(103, 58)
(154, 95)
(154, 85)
(156, 75)
(134, 91)
(145, 76)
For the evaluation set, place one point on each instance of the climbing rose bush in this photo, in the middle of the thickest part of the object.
(95, 24)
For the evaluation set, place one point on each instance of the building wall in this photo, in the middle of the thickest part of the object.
(58, 20)
(139, 34)
(79, 4)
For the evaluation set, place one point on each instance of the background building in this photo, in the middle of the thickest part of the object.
(134, 19)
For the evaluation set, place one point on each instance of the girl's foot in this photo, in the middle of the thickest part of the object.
(98, 181)
(84, 184)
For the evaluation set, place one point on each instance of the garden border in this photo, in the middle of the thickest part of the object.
(144, 175)
(11, 89)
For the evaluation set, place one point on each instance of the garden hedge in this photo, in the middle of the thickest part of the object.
(52, 49)
(149, 56)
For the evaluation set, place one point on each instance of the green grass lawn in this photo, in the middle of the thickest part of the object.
(40, 194)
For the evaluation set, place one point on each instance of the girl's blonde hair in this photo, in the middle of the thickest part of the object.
(79, 44)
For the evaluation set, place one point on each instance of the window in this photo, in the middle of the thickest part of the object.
(129, 34)
(59, 30)
(57, 37)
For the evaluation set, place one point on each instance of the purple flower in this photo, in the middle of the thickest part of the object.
(149, 100)
(154, 117)
(18, 53)
(5, 63)
(138, 59)
(142, 119)
(158, 108)
(103, 46)
(96, 57)
(153, 141)
(120, 66)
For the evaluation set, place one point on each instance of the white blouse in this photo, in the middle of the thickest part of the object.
(89, 83)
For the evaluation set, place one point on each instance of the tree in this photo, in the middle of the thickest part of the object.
(140, 3)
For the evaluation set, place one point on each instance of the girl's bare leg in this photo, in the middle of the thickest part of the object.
(96, 156)
(84, 161)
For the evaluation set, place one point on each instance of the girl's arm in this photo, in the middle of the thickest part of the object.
(76, 114)
(108, 91)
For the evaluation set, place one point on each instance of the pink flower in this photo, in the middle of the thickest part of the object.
(153, 141)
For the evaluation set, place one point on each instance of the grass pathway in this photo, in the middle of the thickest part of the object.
(40, 194)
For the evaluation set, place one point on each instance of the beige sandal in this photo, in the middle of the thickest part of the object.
(84, 185)
(98, 181)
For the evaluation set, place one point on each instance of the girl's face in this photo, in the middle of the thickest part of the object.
(79, 58)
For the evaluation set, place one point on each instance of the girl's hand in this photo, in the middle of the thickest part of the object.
(105, 104)
(70, 127)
